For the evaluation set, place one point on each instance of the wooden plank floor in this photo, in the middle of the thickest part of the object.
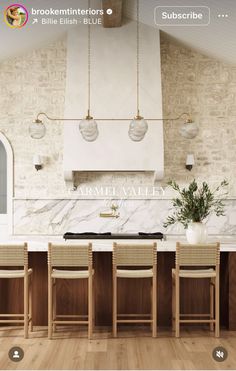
(131, 350)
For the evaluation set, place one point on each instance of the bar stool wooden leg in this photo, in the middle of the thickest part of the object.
(173, 303)
(154, 306)
(26, 304)
(177, 324)
(54, 303)
(90, 307)
(217, 307)
(151, 301)
(30, 303)
(93, 308)
(114, 308)
(50, 307)
(211, 303)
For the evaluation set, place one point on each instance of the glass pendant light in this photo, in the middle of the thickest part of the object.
(89, 129)
(189, 129)
(88, 126)
(138, 126)
(37, 129)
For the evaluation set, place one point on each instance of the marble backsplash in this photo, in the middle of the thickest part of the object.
(57, 216)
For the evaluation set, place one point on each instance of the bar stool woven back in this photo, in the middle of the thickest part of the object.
(134, 255)
(70, 256)
(197, 255)
(13, 255)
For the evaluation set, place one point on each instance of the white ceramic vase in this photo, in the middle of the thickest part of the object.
(196, 233)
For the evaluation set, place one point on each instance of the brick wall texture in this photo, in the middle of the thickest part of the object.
(191, 82)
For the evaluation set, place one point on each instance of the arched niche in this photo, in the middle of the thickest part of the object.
(6, 183)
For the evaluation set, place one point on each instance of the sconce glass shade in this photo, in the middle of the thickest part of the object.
(37, 129)
(137, 129)
(38, 162)
(189, 130)
(89, 129)
(190, 159)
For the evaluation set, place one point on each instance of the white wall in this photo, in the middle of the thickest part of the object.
(113, 95)
(6, 154)
(3, 180)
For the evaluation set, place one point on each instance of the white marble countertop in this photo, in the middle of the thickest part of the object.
(40, 243)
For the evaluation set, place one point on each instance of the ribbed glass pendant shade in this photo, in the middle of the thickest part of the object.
(137, 129)
(37, 129)
(189, 129)
(89, 129)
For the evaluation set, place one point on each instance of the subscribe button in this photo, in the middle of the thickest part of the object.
(182, 16)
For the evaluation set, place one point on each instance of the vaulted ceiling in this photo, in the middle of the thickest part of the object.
(217, 39)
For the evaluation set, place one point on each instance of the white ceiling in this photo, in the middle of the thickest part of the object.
(217, 40)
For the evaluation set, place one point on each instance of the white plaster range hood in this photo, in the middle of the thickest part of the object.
(113, 95)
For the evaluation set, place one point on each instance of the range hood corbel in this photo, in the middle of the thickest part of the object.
(69, 179)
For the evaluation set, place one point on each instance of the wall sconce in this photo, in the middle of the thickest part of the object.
(189, 162)
(37, 161)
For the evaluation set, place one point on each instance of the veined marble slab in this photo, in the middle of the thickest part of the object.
(40, 243)
(55, 217)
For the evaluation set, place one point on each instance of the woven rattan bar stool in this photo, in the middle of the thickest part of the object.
(197, 256)
(64, 257)
(15, 259)
(133, 256)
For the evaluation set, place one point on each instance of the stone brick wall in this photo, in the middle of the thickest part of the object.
(191, 83)
(207, 89)
(28, 84)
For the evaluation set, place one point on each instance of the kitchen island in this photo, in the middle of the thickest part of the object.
(134, 295)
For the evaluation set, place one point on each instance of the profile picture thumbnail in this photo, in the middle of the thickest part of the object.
(16, 16)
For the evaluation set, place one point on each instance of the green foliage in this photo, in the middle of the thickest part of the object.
(195, 203)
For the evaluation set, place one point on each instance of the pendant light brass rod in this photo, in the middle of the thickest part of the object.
(89, 60)
(112, 119)
(137, 56)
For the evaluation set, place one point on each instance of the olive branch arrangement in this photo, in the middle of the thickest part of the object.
(196, 202)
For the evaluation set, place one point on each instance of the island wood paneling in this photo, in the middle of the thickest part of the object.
(232, 290)
(134, 294)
